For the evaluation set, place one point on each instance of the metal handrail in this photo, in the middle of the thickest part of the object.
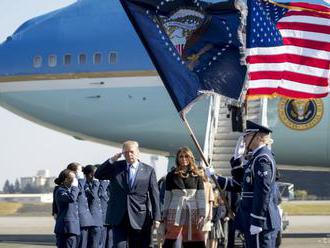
(212, 125)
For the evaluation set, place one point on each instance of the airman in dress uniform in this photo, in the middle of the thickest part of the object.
(258, 216)
(94, 203)
(67, 227)
(106, 234)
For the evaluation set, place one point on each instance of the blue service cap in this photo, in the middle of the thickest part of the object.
(252, 127)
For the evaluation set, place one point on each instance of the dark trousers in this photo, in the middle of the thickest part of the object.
(109, 238)
(265, 239)
(125, 236)
(94, 236)
(106, 237)
(231, 234)
(66, 240)
(83, 238)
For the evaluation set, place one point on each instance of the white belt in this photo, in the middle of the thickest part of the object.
(184, 203)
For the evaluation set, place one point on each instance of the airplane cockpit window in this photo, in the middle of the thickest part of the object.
(37, 61)
(52, 60)
(112, 58)
(82, 59)
(97, 58)
(67, 59)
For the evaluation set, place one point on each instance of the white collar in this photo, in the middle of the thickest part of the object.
(134, 165)
(258, 148)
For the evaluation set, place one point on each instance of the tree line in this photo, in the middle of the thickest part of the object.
(15, 188)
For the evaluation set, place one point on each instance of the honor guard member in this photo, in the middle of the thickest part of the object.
(85, 216)
(106, 234)
(258, 216)
(67, 228)
(94, 203)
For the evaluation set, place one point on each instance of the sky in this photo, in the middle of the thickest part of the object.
(27, 147)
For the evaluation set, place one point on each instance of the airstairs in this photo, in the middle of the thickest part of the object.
(223, 138)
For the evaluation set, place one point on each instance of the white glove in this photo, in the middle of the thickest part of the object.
(255, 229)
(75, 182)
(209, 171)
(80, 175)
(240, 147)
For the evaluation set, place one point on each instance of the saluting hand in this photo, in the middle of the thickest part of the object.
(116, 157)
(240, 147)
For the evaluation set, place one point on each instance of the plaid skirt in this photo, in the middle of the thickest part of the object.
(187, 230)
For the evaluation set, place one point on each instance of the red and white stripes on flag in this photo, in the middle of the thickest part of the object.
(180, 48)
(300, 68)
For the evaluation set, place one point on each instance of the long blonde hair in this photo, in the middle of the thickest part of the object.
(182, 170)
(267, 139)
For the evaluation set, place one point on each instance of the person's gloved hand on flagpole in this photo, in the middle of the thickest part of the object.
(255, 229)
(209, 171)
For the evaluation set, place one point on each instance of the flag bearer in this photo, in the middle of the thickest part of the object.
(258, 216)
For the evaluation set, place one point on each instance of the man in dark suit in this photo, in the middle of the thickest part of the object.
(132, 185)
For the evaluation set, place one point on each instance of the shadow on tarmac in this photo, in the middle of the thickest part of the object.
(306, 235)
(33, 239)
(49, 240)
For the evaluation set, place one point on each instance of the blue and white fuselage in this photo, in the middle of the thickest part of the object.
(83, 70)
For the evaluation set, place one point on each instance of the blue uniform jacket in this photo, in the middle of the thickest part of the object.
(94, 201)
(85, 216)
(67, 221)
(54, 207)
(258, 204)
(104, 196)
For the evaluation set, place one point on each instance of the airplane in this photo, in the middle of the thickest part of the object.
(82, 70)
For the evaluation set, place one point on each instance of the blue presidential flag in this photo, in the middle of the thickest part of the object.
(195, 45)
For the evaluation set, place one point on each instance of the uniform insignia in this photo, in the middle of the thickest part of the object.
(262, 173)
(263, 160)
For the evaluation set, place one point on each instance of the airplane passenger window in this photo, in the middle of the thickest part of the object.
(112, 59)
(67, 59)
(97, 58)
(37, 61)
(52, 60)
(82, 59)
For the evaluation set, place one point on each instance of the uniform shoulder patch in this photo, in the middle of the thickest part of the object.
(263, 159)
(262, 173)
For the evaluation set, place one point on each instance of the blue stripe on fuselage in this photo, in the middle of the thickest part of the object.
(86, 27)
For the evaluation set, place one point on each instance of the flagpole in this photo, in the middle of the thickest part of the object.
(195, 141)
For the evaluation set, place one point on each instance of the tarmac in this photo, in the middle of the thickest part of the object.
(36, 232)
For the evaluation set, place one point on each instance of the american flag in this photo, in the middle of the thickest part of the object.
(288, 49)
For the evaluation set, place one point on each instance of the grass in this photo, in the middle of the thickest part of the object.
(35, 209)
(44, 209)
(25, 209)
(306, 208)
(9, 208)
